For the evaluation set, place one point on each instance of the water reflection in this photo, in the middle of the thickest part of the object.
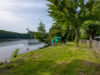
(8, 46)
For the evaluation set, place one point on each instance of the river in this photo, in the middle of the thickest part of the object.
(7, 47)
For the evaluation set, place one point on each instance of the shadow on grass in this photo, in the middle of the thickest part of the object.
(33, 67)
(76, 67)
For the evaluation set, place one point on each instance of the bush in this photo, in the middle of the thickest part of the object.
(15, 53)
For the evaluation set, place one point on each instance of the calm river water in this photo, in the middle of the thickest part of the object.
(7, 47)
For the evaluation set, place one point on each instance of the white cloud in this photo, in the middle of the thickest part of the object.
(15, 3)
(20, 13)
(7, 8)
(8, 16)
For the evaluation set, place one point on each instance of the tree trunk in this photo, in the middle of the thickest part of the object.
(64, 37)
(90, 39)
(77, 37)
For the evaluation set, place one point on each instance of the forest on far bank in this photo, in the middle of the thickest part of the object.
(14, 35)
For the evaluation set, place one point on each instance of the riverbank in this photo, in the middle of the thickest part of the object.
(24, 45)
(55, 60)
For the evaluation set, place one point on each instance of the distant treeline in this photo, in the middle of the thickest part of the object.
(14, 35)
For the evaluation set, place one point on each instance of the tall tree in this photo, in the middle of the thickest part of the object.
(72, 12)
(66, 11)
(41, 28)
(91, 28)
(41, 35)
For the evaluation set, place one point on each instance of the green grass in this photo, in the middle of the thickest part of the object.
(55, 60)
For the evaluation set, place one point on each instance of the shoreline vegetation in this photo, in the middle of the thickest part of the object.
(15, 54)
(4, 35)
(63, 59)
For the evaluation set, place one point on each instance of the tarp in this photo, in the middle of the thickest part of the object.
(56, 40)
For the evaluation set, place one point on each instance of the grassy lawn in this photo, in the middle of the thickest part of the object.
(55, 60)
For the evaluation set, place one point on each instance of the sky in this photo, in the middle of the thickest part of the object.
(17, 15)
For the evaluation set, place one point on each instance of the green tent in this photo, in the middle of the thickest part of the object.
(56, 40)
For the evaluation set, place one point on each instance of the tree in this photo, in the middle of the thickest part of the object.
(73, 13)
(91, 28)
(66, 11)
(13, 35)
(67, 33)
(31, 33)
(41, 35)
(41, 28)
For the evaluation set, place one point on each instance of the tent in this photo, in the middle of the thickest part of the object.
(56, 40)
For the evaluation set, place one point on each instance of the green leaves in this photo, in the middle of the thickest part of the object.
(41, 28)
(74, 13)
(91, 26)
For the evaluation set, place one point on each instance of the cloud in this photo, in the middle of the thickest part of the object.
(23, 13)
(5, 4)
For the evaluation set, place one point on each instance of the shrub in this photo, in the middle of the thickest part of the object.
(15, 53)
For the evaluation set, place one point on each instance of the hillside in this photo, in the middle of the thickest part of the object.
(14, 35)
(56, 60)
